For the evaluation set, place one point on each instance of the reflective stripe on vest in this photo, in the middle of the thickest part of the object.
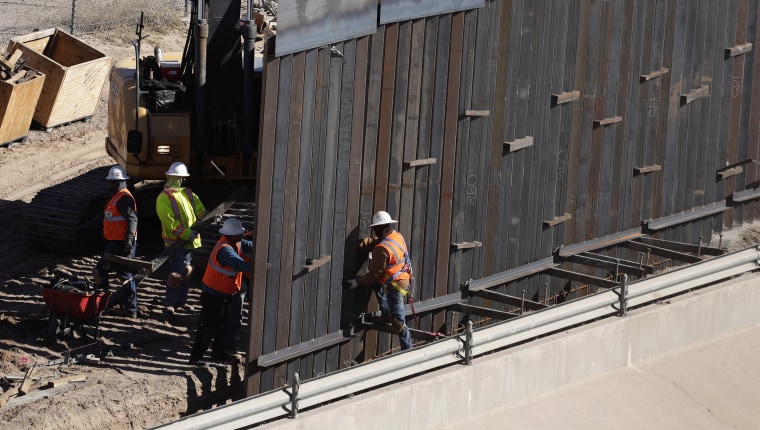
(399, 265)
(175, 209)
(222, 278)
(114, 223)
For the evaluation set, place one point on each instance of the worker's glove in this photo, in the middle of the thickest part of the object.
(129, 244)
(350, 284)
(217, 218)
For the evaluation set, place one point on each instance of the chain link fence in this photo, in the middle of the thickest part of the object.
(78, 17)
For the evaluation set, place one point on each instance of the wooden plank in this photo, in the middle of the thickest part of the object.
(8, 395)
(26, 384)
(59, 382)
(518, 144)
(735, 50)
(566, 97)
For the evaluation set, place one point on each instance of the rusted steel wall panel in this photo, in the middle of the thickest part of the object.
(660, 108)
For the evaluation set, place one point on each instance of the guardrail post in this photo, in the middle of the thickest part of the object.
(294, 396)
(623, 295)
(468, 344)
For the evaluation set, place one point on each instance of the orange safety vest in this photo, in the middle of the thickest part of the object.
(114, 223)
(399, 265)
(222, 278)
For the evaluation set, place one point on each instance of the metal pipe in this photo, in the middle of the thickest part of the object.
(468, 343)
(199, 108)
(444, 352)
(623, 295)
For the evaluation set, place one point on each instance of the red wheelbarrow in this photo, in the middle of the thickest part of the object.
(73, 304)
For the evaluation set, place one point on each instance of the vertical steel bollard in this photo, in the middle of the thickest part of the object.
(468, 344)
(73, 16)
(294, 396)
(623, 295)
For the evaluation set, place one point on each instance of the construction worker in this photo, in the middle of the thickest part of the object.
(389, 274)
(221, 281)
(178, 208)
(119, 224)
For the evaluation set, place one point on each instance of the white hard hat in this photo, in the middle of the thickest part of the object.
(232, 227)
(117, 173)
(177, 169)
(381, 218)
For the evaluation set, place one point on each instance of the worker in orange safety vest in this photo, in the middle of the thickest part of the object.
(221, 281)
(119, 228)
(389, 274)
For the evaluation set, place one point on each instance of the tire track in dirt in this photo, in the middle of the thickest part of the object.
(75, 164)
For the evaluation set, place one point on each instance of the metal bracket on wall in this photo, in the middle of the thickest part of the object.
(607, 121)
(703, 91)
(312, 264)
(558, 219)
(473, 112)
(733, 168)
(566, 97)
(735, 50)
(653, 75)
(519, 143)
(466, 245)
(646, 169)
(421, 162)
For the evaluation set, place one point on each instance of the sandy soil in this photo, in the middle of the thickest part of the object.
(139, 376)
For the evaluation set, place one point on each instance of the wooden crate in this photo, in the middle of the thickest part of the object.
(74, 75)
(17, 103)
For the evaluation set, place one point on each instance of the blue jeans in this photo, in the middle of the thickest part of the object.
(178, 263)
(125, 294)
(392, 303)
(235, 317)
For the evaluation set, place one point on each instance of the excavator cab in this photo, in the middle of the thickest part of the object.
(198, 106)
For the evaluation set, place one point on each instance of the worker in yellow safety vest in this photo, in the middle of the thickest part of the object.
(389, 274)
(178, 208)
(221, 282)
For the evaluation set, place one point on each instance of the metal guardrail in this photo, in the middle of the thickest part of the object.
(283, 403)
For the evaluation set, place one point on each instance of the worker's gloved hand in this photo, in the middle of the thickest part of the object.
(350, 284)
(217, 218)
(129, 244)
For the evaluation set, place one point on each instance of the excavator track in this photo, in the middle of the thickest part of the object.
(55, 213)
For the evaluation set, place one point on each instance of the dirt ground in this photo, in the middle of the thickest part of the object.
(137, 375)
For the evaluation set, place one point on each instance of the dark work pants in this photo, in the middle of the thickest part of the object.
(212, 325)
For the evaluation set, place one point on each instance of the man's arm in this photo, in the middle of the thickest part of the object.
(228, 257)
(376, 267)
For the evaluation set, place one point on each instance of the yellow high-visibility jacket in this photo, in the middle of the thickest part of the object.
(178, 209)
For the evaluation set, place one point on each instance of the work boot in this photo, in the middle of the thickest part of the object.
(224, 357)
(198, 363)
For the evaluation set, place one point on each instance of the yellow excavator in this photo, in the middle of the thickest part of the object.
(200, 107)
